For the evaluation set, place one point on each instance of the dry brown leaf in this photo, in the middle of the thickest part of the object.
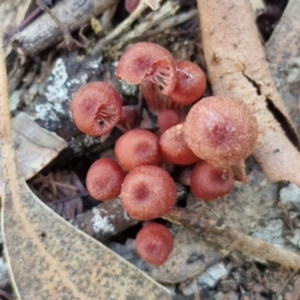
(237, 68)
(35, 146)
(47, 257)
(283, 55)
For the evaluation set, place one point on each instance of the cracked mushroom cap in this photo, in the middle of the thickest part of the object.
(221, 130)
(146, 61)
(96, 108)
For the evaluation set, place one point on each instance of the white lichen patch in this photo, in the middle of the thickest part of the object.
(101, 224)
(56, 92)
(272, 233)
(43, 111)
(55, 83)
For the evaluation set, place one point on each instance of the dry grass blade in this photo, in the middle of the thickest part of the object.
(237, 68)
(48, 258)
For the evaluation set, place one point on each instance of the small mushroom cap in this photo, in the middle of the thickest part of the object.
(154, 243)
(221, 130)
(131, 5)
(148, 61)
(148, 192)
(167, 118)
(137, 147)
(96, 108)
(104, 179)
(174, 147)
(190, 83)
(209, 182)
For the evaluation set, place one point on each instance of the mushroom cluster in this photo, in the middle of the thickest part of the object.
(214, 137)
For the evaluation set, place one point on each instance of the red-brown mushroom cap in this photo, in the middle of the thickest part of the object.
(221, 130)
(96, 108)
(154, 243)
(104, 179)
(209, 182)
(174, 147)
(148, 61)
(167, 118)
(190, 83)
(131, 5)
(137, 147)
(148, 192)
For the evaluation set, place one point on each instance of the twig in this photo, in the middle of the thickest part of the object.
(23, 25)
(69, 42)
(26, 22)
(161, 19)
(44, 32)
(172, 22)
(232, 239)
(121, 27)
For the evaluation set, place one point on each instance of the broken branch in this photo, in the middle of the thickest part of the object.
(237, 68)
(231, 239)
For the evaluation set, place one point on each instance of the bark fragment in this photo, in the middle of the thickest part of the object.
(237, 68)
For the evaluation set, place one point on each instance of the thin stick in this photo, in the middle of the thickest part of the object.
(231, 239)
(122, 26)
(162, 20)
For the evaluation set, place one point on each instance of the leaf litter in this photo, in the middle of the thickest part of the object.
(214, 212)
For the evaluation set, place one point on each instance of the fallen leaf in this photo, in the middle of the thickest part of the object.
(47, 257)
(237, 68)
(35, 146)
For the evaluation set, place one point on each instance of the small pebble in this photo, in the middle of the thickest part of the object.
(212, 275)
